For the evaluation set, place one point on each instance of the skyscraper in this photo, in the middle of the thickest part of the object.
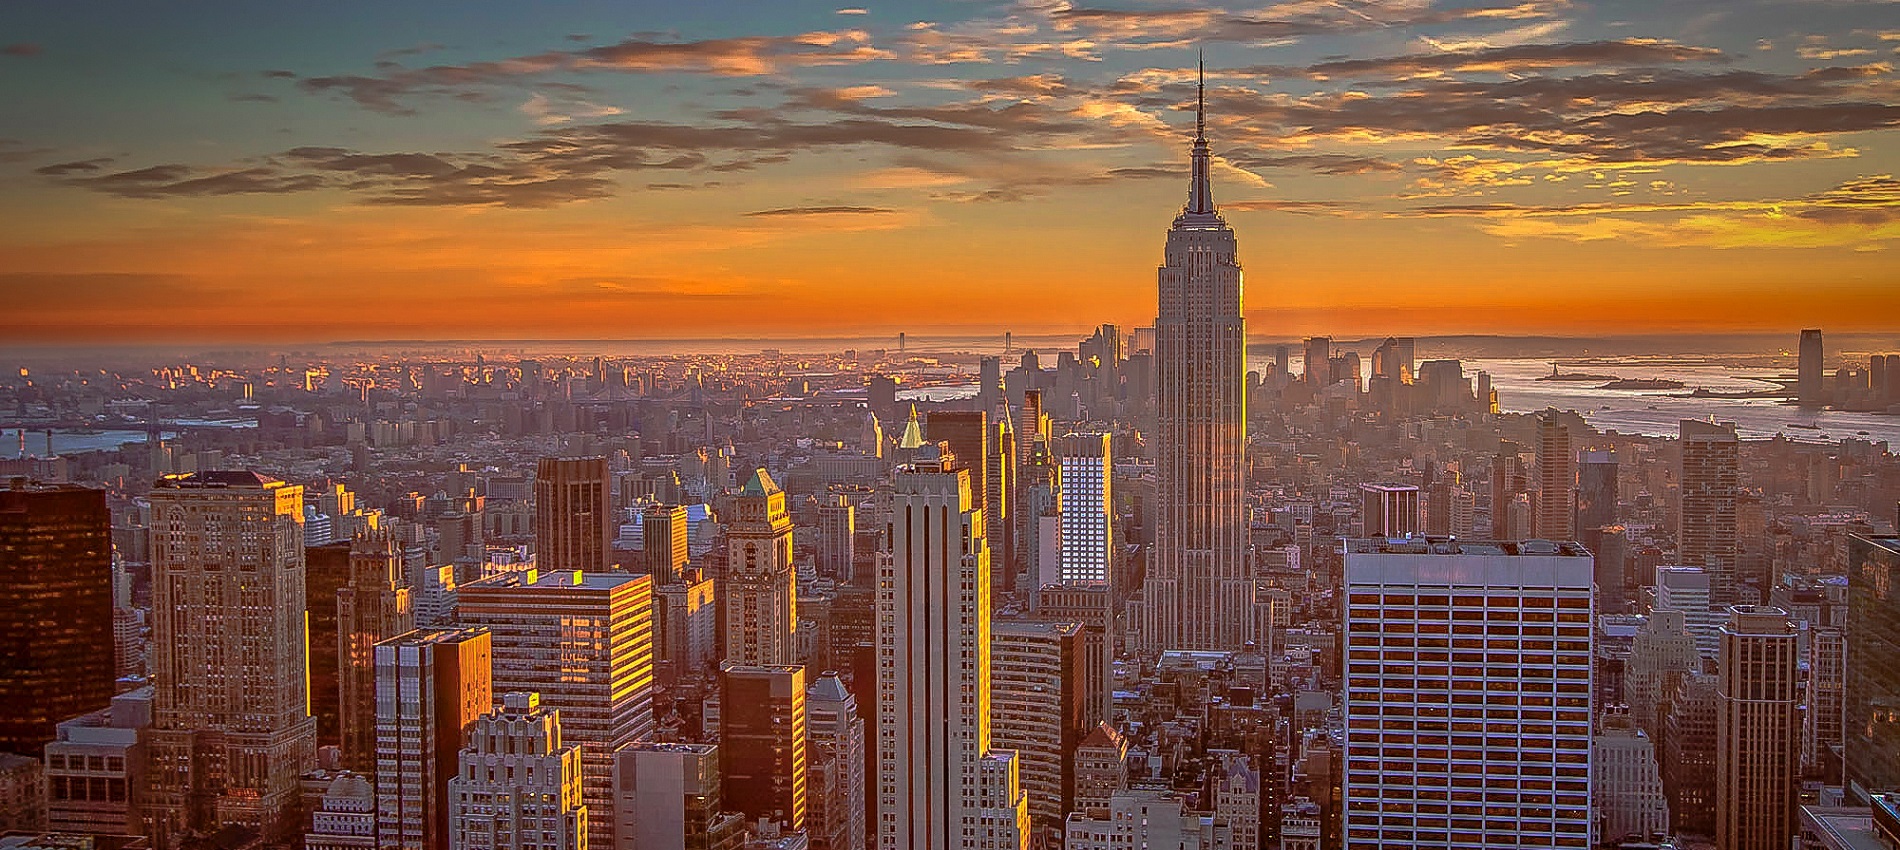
(1087, 538)
(837, 538)
(762, 755)
(231, 728)
(1198, 593)
(430, 687)
(373, 606)
(1389, 510)
(939, 785)
(1038, 708)
(1707, 532)
(663, 541)
(1811, 370)
(55, 608)
(836, 757)
(760, 590)
(573, 512)
(519, 786)
(1596, 490)
(1556, 480)
(1758, 730)
(968, 434)
(1406, 602)
(584, 642)
(1319, 361)
(1873, 665)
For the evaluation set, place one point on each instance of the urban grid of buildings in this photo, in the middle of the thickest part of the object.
(1138, 597)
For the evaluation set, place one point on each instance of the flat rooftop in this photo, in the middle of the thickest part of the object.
(1419, 544)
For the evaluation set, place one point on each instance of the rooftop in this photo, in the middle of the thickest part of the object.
(1419, 544)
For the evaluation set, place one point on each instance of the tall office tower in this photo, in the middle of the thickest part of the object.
(1686, 589)
(667, 797)
(989, 386)
(372, 607)
(762, 755)
(967, 432)
(1822, 733)
(1406, 666)
(1389, 510)
(663, 541)
(573, 514)
(1810, 371)
(96, 767)
(1596, 490)
(1319, 361)
(1873, 665)
(1628, 790)
(520, 786)
(231, 726)
(1556, 480)
(686, 625)
(760, 590)
(1507, 481)
(1091, 607)
(1038, 708)
(1001, 517)
(1758, 730)
(584, 642)
(837, 784)
(346, 817)
(1198, 592)
(940, 784)
(1688, 744)
(326, 570)
(1706, 528)
(837, 538)
(55, 608)
(1087, 540)
(431, 685)
(1660, 654)
(1147, 817)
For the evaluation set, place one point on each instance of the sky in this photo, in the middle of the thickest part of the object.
(243, 171)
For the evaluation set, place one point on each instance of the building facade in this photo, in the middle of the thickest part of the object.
(762, 755)
(431, 685)
(374, 605)
(1758, 729)
(1498, 633)
(940, 783)
(573, 514)
(519, 785)
(760, 587)
(55, 607)
(231, 727)
(584, 643)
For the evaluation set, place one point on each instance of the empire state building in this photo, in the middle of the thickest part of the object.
(1198, 594)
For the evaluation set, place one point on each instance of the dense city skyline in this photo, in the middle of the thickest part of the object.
(234, 173)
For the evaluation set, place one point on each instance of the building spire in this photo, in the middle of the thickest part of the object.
(1201, 188)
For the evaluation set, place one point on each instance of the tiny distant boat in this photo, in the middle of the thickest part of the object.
(1653, 407)
(1860, 433)
(1642, 384)
(1804, 425)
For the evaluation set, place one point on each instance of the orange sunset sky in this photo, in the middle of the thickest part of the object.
(244, 172)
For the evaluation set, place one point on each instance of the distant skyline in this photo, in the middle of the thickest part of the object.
(231, 172)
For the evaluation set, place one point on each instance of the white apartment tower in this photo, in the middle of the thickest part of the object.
(1087, 536)
(939, 784)
(1468, 694)
(519, 786)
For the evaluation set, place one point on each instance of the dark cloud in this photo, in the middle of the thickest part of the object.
(1174, 27)
(1324, 163)
(825, 210)
(278, 75)
(165, 181)
(1300, 207)
(14, 150)
(253, 97)
(743, 56)
(82, 166)
(1503, 60)
(22, 49)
